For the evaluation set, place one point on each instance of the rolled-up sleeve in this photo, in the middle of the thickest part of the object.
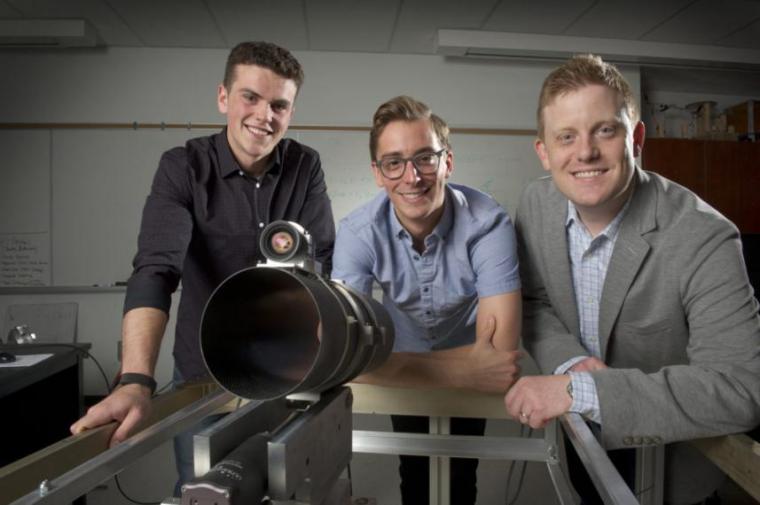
(494, 258)
(165, 233)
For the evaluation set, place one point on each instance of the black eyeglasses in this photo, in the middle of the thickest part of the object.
(425, 163)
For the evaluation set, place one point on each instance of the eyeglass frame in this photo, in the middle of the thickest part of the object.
(439, 154)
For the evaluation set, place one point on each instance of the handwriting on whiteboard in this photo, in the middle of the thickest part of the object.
(25, 259)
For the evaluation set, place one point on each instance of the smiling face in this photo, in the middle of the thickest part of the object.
(589, 143)
(417, 198)
(259, 106)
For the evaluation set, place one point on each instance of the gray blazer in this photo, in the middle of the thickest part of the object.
(678, 323)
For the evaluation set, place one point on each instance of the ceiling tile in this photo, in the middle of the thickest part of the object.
(351, 25)
(546, 16)
(8, 11)
(282, 22)
(623, 19)
(107, 22)
(170, 23)
(706, 21)
(747, 37)
(419, 20)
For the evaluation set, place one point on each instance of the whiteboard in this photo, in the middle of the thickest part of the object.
(25, 208)
(96, 182)
(500, 165)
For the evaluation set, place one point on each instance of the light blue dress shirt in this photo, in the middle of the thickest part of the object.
(589, 259)
(432, 297)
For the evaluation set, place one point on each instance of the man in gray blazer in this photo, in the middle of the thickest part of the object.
(636, 298)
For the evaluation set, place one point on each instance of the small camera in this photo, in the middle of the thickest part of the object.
(287, 244)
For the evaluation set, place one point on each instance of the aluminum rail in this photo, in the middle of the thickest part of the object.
(611, 487)
(81, 479)
(459, 446)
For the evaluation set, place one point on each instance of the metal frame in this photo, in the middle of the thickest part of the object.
(444, 404)
(650, 474)
(608, 482)
(76, 482)
(442, 446)
(611, 487)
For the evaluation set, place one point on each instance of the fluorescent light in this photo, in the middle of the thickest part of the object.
(46, 33)
(474, 43)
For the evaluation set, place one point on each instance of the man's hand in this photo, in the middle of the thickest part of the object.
(128, 405)
(488, 369)
(588, 365)
(538, 399)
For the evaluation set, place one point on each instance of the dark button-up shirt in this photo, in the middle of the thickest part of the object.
(202, 222)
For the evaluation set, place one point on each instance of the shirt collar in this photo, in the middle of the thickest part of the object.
(228, 165)
(610, 231)
(447, 219)
(441, 229)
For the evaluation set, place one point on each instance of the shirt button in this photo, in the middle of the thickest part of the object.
(261, 225)
(241, 172)
(416, 258)
(425, 289)
(258, 185)
(427, 312)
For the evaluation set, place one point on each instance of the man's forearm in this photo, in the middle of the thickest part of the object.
(440, 369)
(142, 331)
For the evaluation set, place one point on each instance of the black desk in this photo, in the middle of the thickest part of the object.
(38, 403)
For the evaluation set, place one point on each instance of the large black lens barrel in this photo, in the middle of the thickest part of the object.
(268, 332)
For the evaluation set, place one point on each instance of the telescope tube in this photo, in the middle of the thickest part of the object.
(268, 332)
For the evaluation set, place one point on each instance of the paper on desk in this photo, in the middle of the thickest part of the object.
(26, 360)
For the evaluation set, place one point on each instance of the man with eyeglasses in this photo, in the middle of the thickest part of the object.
(445, 258)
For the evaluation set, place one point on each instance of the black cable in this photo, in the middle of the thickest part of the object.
(521, 478)
(645, 490)
(108, 389)
(118, 486)
(163, 388)
(83, 351)
(350, 480)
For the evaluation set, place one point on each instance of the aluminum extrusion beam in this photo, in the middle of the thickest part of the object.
(453, 446)
(86, 476)
(610, 485)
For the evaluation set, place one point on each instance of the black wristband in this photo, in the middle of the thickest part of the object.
(138, 378)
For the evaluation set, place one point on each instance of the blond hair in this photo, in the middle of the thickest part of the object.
(582, 70)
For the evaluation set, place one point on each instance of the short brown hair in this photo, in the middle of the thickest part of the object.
(264, 54)
(405, 108)
(582, 70)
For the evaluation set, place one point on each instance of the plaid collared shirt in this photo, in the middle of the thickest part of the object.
(589, 259)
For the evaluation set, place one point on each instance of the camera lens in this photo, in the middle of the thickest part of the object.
(285, 242)
(282, 242)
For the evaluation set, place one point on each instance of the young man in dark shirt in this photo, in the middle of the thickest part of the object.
(208, 204)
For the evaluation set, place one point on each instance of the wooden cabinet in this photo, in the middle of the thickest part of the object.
(724, 174)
